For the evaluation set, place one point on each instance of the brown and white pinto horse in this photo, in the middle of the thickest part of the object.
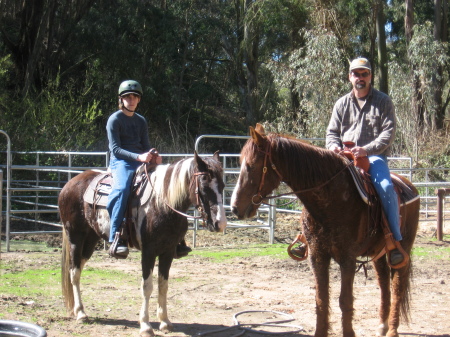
(157, 227)
(335, 223)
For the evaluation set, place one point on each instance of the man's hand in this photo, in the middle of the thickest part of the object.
(359, 152)
(336, 149)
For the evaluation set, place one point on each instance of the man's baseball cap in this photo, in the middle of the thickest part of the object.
(359, 63)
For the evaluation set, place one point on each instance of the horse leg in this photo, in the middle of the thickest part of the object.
(400, 298)
(347, 267)
(165, 261)
(320, 266)
(80, 253)
(75, 276)
(148, 263)
(382, 271)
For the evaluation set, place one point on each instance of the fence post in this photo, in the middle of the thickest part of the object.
(1, 218)
(440, 192)
(8, 187)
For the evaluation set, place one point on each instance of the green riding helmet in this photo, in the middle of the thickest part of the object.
(130, 86)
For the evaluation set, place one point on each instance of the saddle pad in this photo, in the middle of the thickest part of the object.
(98, 190)
(405, 193)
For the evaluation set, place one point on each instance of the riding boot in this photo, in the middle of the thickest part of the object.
(182, 250)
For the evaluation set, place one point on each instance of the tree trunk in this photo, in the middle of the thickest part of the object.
(437, 121)
(417, 99)
(34, 32)
(382, 52)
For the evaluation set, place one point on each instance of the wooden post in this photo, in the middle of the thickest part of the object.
(440, 210)
(441, 193)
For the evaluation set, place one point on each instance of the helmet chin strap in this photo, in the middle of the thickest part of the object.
(124, 107)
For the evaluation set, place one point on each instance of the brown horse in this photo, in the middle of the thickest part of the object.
(158, 227)
(335, 223)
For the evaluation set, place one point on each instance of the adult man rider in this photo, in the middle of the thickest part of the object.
(366, 117)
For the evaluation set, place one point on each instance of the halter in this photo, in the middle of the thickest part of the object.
(198, 206)
(268, 154)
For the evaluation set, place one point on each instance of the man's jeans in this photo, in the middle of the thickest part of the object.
(381, 178)
(123, 173)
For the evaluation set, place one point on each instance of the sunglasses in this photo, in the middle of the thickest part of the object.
(364, 74)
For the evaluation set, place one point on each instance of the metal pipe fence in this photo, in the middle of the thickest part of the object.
(31, 192)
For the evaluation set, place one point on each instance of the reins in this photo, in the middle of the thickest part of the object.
(268, 155)
(199, 207)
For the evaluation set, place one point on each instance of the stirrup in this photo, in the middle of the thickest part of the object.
(302, 239)
(391, 245)
(113, 249)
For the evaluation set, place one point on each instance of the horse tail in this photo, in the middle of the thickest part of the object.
(406, 275)
(66, 282)
(409, 232)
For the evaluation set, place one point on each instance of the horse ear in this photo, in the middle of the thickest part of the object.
(260, 129)
(216, 156)
(257, 137)
(201, 165)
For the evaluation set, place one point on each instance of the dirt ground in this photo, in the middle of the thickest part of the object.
(204, 295)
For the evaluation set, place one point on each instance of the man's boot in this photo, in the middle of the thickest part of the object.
(182, 249)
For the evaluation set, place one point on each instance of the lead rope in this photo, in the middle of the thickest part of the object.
(244, 328)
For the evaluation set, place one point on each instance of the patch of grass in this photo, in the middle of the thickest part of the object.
(47, 281)
(434, 253)
(223, 254)
(26, 246)
(23, 283)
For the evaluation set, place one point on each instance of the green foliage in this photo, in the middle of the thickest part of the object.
(426, 55)
(61, 117)
(193, 59)
(316, 75)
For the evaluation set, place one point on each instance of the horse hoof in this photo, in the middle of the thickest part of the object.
(82, 317)
(392, 333)
(166, 327)
(146, 330)
(147, 334)
(382, 330)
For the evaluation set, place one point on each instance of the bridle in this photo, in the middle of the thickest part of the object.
(198, 200)
(199, 207)
(268, 157)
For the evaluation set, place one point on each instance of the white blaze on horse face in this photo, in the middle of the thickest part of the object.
(238, 186)
(220, 216)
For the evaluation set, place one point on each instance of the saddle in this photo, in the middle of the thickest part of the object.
(101, 186)
(361, 177)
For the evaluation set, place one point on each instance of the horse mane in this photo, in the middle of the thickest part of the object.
(171, 183)
(312, 163)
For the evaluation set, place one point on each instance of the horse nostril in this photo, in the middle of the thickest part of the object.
(234, 210)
